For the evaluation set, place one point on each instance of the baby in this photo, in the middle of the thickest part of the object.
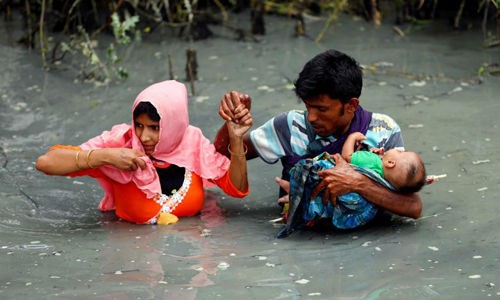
(395, 169)
(405, 170)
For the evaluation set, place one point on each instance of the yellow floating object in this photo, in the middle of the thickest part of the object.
(166, 219)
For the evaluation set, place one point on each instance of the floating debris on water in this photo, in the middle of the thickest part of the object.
(302, 281)
(482, 189)
(276, 220)
(262, 257)
(265, 88)
(432, 178)
(366, 244)
(314, 294)
(384, 64)
(433, 248)
(477, 162)
(475, 276)
(455, 90)
(201, 99)
(418, 83)
(477, 256)
(422, 97)
(270, 265)
(223, 265)
(206, 232)
(415, 125)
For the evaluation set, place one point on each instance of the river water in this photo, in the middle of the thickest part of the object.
(55, 244)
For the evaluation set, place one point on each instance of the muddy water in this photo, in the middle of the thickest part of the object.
(54, 243)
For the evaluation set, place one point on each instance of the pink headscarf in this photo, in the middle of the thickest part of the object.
(179, 143)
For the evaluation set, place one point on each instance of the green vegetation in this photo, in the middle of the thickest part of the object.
(78, 23)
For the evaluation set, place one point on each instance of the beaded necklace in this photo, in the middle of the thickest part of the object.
(169, 203)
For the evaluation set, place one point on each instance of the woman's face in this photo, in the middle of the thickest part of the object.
(148, 132)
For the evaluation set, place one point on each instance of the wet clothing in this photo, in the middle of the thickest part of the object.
(351, 211)
(368, 160)
(183, 160)
(183, 198)
(179, 143)
(289, 137)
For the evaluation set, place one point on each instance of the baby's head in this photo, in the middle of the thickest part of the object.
(405, 170)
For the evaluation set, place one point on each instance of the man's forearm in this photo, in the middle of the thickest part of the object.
(408, 205)
(221, 141)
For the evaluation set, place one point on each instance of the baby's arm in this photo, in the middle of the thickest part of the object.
(352, 143)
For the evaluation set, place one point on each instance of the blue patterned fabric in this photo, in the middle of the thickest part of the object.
(351, 210)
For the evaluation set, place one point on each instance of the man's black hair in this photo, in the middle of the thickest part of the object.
(331, 73)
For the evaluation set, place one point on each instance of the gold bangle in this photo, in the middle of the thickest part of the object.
(245, 149)
(77, 158)
(88, 159)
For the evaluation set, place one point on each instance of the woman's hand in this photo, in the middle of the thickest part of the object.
(235, 109)
(241, 122)
(229, 103)
(123, 158)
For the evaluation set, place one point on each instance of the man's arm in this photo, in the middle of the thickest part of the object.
(221, 143)
(344, 179)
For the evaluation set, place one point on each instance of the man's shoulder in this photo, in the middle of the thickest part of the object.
(384, 121)
(290, 118)
(293, 113)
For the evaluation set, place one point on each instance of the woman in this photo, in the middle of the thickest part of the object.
(153, 170)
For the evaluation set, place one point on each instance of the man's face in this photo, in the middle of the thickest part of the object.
(329, 116)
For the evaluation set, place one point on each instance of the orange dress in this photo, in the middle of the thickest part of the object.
(131, 204)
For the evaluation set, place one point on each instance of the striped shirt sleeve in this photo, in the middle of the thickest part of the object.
(268, 138)
(384, 132)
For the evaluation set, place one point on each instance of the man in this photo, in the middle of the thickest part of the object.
(329, 85)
